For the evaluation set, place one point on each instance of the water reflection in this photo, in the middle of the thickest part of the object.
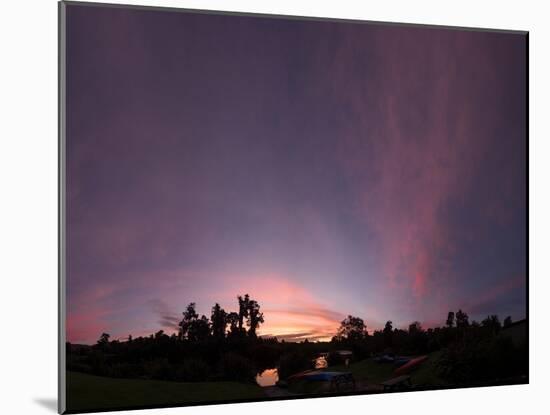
(268, 377)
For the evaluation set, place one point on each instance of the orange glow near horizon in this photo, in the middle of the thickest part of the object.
(291, 312)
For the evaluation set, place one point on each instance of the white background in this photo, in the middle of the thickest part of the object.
(28, 203)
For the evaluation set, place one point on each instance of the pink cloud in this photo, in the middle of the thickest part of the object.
(412, 162)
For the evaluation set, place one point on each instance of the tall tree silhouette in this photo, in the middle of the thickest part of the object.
(462, 319)
(189, 316)
(233, 321)
(450, 319)
(507, 322)
(492, 324)
(103, 339)
(352, 329)
(243, 309)
(388, 334)
(255, 317)
(199, 329)
(219, 321)
(415, 327)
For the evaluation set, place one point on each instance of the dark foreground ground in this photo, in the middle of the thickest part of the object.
(94, 393)
(87, 392)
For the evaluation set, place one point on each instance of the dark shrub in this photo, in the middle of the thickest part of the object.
(265, 355)
(98, 363)
(126, 370)
(79, 367)
(294, 362)
(478, 360)
(158, 369)
(236, 367)
(335, 359)
(193, 370)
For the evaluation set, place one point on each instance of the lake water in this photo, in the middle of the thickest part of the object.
(268, 377)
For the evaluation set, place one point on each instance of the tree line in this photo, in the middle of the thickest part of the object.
(245, 322)
(226, 346)
(221, 324)
(353, 328)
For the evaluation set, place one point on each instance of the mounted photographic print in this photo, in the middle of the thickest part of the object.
(258, 207)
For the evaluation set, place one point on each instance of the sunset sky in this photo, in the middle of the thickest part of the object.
(325, 168)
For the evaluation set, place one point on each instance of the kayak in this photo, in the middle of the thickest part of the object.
(316, 375)
(324, 376)
(411, 365)
(384, 359)
(400, 361)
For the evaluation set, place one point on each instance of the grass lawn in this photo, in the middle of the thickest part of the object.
(426, 374)
(370, 371)
(87, 392)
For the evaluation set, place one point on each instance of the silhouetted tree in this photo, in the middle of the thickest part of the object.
(388, 334)
(104, 339)
(233, 322)
(160, 334)
(450, 319)
(491, 323)
(243, 309)
(219, 321)
(255, 317)
(507, 322)
(199, 329)
(352, 329)
(462, 319)
(415, 327)
(417, 339)
(189, 316)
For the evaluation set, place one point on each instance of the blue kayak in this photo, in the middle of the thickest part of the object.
(384, 359)
(323, 376)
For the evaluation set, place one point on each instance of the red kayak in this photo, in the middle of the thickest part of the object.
(411, 365)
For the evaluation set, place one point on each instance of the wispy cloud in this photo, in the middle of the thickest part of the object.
(168, 318)
(497, 297)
